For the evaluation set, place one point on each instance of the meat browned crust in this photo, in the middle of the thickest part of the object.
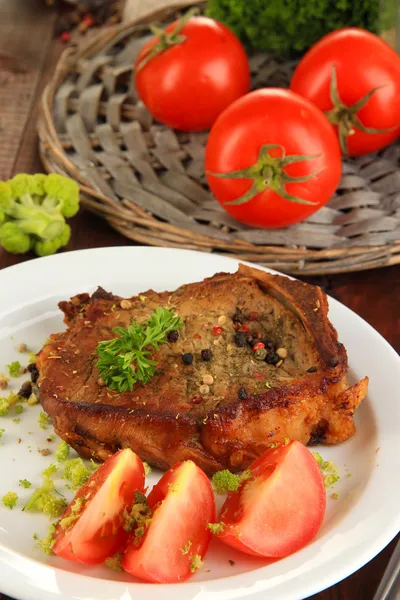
(306, 396)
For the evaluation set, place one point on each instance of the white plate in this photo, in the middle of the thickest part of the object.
(357, 526)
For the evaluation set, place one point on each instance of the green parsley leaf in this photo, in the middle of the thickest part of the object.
(124, 360)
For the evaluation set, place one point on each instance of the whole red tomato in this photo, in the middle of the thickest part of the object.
(354, 77)
(272, 159)
(202, 70)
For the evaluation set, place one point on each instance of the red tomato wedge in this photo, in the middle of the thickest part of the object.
(91, 528)
(177, 537)
(280, 508)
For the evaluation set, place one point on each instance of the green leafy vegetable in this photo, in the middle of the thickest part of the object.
(124, 360)
(33, 209)
(289, 27)
(10, 500)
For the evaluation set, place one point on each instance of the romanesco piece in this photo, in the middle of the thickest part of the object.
(76, 472)
(33, 209)
(25, 483)
(46, 544)
(4, 407)
(45, 499)
(1, 432)
(10, 500)
(147, 468)
(47, 247)
(114, 562)
(62, 451)
(225, 481)
(18, 409)
(50, 470)
(216, 528)
(14, 368)
(44, 420)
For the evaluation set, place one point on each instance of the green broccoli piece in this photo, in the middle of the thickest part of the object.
(289, 27)
(76, 472)
(44, 420)
(50, 470)
(18, 409)
(25, 483)
(33, 209)
(47, 247)
(13, 239)
(10, 500)
(4, 407)
(46, 544)
(1, 432)
(225, 481)
(46, 500)
(62, 451)
(114, 562)
(216, 528)
(196, 563)
(14, 368)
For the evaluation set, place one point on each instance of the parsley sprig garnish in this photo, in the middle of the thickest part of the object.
(123, 361)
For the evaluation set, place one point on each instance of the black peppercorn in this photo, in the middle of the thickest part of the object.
(238, 317)
(26, 389)
(172, 336)
(187, 358)
(240, 339)
(34, 372)
(272, 358)
(242, 393)
(268, 344)
(312, 370)
(206, 354)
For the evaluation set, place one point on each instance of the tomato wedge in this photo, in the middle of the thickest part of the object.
(280, 508)
(174, 543)
(91, 528)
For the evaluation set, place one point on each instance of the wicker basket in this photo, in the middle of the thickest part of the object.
(148, 181)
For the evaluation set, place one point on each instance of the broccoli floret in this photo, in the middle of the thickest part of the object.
(62, 451)
(10, 500)
(216, 528)
(225, 481)
(76, 472)
(46, 500)
(57, 187)
(4, 407)
(114, 562)
(47, 247)
(50, 470)
(33, 209)
(44, 420)
(14, 368)
(196, 563)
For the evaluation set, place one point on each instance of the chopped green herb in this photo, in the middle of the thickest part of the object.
(114, 562)
(14, 368)
(44, 420)
(25, 483)
(46, 544)
(124, 360)
(186, 547)
(16, 420)
(216, 528)
(139, 514)
(328, 470)
(76, 472)
(10, 500)
(62, 451)
(196, 563)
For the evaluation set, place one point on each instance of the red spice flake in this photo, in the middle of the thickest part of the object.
(244, 328)
(253, 316)
(88, 20)
(259, 335)
(259, 376)
(258, 346)
(197, 399)
(217, 330)
(197, 336)
(65, 36)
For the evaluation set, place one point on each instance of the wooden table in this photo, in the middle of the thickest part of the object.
(26, 32)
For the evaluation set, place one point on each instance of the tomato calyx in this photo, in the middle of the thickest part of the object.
(345, 117)
(268, 173)
(166, 39)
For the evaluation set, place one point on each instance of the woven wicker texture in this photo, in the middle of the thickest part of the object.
(148, 180)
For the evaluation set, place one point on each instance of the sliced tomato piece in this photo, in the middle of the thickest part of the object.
(176, 540)
(279, 508)
(91, 528)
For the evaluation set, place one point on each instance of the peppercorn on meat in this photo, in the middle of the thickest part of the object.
(255, 361)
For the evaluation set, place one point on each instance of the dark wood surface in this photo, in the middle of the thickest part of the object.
(28, 54)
